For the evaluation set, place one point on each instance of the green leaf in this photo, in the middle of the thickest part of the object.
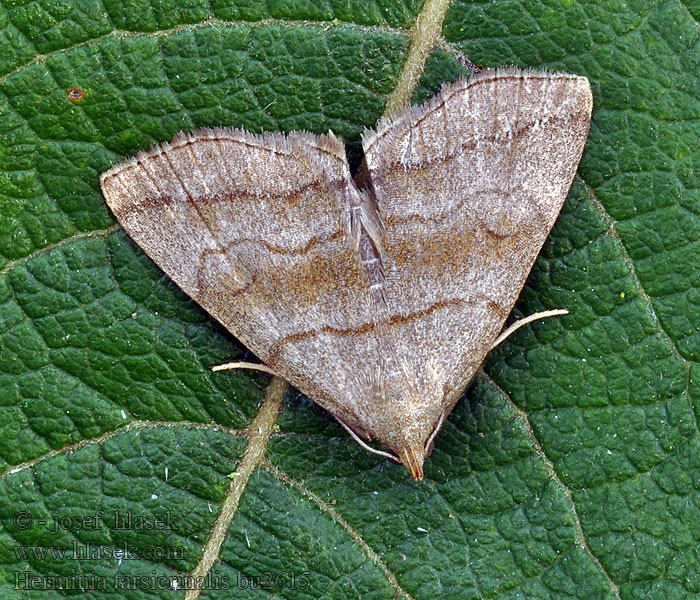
(569, 469)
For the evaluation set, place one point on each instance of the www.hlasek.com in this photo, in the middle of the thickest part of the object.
(78, 551)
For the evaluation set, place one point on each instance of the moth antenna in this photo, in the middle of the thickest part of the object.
(529, 319)
(244, 365)
(367, 446)
(441, 420)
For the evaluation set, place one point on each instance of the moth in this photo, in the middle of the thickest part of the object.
(377, 296)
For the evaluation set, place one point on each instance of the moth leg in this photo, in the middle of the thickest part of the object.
(529, 319)
(367, 446)
(244, 365)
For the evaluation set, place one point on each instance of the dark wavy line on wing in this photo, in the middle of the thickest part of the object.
(370, 326)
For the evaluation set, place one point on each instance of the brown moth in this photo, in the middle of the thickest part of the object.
(377, 297)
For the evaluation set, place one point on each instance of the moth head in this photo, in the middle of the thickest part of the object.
(412, 458)
(414, 402)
